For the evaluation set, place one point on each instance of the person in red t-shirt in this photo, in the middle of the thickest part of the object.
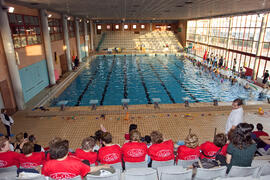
(134, 151)
(260, 131)
(110, 153)
(160, 150)
(191, 149)
(61, 166)
(131, 127)
(86, 151)
(210, 149)
(7, 158)
(29, 158)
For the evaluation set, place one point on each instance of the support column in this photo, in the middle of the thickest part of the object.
(95, 28)
(150, 28)
(259, 47)
(11, 60)
(228, 41)
(86, 38)
(66, 42)
(47, 45)
(92, 35)
(77, 31)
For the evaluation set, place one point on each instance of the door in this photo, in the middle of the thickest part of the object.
(1, 102)
(63, 62)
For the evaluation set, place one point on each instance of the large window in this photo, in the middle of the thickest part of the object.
(71, 29)
(81, 28)
(25, 30)
(55, 29)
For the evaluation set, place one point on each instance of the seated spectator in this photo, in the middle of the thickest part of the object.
(134, 151)
(241, 150)
(47, 149)
(110, 153)
(37, 147)
(29, 158)
(7, 158)
(61, 166)
(260, 131)
(160, 150)
(86, 152)
(20, 140)
(131, 127)
(210, 149)
(190, 150)
(147, 141)
(98, 138)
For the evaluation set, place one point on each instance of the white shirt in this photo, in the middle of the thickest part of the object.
(235, 117)
(6, 122)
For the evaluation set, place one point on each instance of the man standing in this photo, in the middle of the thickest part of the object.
(265, 78)
(236, 116)
(6, 120)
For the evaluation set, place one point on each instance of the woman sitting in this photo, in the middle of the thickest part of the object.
(7, 158)
(241, 149)
(86, 151)
(191, 149)
(20, 140)
(134, 151)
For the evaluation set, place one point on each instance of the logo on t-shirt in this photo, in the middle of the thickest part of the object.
(211, 153)
(136, 152)
(164, 153)
(62, 175)
(111, 157)
(3, 163)
(29, 165)
(191, 157)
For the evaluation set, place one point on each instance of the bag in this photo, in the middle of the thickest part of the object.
(103, 172)
(208, 163)
(218, 158)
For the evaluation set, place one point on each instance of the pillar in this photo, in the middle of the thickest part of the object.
(66, 42)
(92, 35)
(86, 38)
(228, 42)
(11, 60)
(77, 31)
(47, 45)
(150, 28)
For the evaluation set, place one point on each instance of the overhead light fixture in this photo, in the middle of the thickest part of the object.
(68, 18)
(11, 9)
(49, 15)
(80, 20)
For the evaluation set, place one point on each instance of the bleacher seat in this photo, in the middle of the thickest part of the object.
(129, 165)
(156, 164)
(114, 176)
(117, 166)
(32, 176)
(140, 174)
(265, 170)
(174, 173)
(263, 177)
(209, 174)
(186, 163)
(8, 173)
(243, 171)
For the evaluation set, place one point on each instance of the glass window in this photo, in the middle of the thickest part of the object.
(108, 26)
(134, 26)
(99, 27)
(142, 26)
(125, 26)
(116, 26)
(55, 29)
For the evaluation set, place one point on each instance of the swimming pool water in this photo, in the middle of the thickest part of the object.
(109, 79)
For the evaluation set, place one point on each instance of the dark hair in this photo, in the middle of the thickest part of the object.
(238, 101)
(54, 140)
(259, 127)
(59, 149)
(88, 143)
(3, 110)
(107, 137)
(147, 139)
(220, 140)
(32, 138)
(241, 137)
(132, 127)
(156, 137)
(25, 135)
(28, 148)
(98, 135)
(252, 127)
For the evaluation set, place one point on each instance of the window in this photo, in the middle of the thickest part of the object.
(81, 28)
(25, 30)
(125, 26)
(71, 29)
(108, 27)
(116, 26)
(99, 27)
(142, 26)
(55, 29)
(134, 26)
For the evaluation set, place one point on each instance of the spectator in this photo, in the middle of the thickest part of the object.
(7, 158)
(7, 121)
(134, 151)
(19, 142)
(147, 141)
(86, 152)
(131, 127)
(241, 150)
(190, 150)
(98, 138)
(76, 62)
(37, 147)
(110, 153)
(61, 166)
(160, 150)
(260, 131)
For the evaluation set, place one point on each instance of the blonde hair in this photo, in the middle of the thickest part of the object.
(19, 137)
(192, 141)
(156, 137)
(135, 135)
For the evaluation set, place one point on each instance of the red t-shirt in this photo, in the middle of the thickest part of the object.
(162, 151)
(9, 158)
(65, 169)
(186, 153)
(109, 154)
(90, 156)
(210, 149)
(36, 159)
(260, 133)
(134, 152)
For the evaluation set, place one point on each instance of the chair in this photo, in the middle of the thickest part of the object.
(117, 166)
(174, 173)
(265, 170)
(140, 174)
(203, 174)
(114, 176)
(75, 178)
(129, 165)
(156, 164)
(31, 176)
(265, 177)
(8, 173)
(186, 163)
(237, 171)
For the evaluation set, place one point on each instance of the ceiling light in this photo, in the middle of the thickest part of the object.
(80, 20)
(50, 15)
(68, 18)
(11, 9)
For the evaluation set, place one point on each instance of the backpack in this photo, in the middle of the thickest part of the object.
(219, 158)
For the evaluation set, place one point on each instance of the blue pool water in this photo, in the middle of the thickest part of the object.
(141, 78)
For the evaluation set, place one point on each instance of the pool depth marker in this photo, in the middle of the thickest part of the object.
(107, 82)
(125, 78)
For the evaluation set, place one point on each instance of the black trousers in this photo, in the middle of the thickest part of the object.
(8, 130)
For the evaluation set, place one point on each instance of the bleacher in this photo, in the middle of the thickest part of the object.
(145, 41)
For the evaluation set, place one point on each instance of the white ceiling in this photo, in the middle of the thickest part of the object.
(148, 9)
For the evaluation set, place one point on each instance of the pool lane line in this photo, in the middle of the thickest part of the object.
(107, 82)
(162, 83)
(125, 78)
(86, 87)
(143, 83)
(179, 82)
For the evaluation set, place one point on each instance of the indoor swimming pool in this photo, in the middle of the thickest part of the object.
(109, 79)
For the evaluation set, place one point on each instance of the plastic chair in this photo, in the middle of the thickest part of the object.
(173, 173)
(237, 171)
(117, 166)
(114, 176)
(32, 177)
(8, 173)
(264, 170)
(129, 165)
(186, 163)
(203, 174)
(265, 177)
(156, 164)
(140, 174)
